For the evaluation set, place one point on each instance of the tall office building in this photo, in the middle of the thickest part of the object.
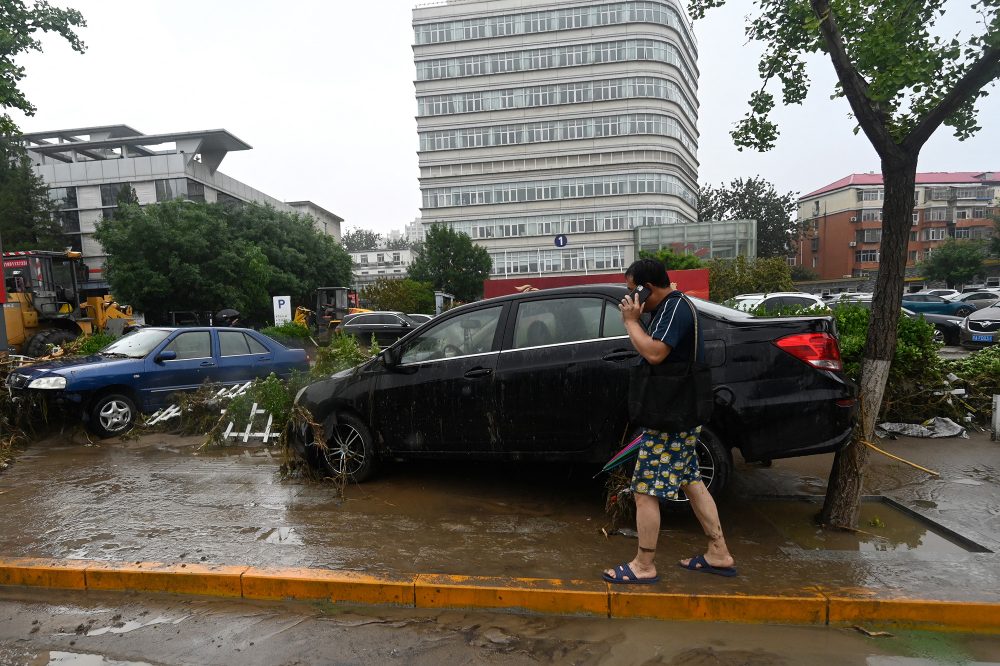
(551, 130)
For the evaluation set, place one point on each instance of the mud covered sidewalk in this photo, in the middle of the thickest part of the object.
(160, 499)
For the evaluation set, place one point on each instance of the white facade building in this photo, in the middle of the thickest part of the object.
(368, 266)
(550, 130)
(85, 168)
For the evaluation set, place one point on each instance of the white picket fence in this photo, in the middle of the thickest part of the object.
(246, 434)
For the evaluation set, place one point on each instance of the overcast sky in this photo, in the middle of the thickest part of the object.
(323, 91)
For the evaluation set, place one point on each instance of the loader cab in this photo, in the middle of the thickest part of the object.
(47, 281)
(332, 305)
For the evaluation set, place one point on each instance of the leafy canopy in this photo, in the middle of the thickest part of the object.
(400, 295)
(730, 277)
(28, 218)
(19, 24)
(903, 76)
(955, 262)
(671, 260)
(358, 240)
(452, 263)
(197, 256)
(753, 199)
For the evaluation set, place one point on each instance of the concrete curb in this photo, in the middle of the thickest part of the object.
(564, 597)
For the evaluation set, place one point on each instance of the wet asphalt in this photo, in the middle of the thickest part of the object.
(164, 498)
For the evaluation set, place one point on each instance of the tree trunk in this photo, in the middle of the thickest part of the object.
(843, 492)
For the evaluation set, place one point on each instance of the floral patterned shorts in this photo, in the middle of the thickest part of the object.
(667, 461)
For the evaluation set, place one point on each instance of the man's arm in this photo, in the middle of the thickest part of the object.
(654, 351)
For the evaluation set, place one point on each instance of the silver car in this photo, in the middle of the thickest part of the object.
(981, 328)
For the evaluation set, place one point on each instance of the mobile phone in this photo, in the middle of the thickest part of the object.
(642, 292)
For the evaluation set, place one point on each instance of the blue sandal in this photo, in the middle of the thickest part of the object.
(698, 563)
(625, 576)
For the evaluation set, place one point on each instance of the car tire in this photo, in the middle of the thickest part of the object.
(39, 343)
(349, 450)
(112, 414)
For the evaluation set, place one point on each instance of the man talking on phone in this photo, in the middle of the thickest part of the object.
(667, 461)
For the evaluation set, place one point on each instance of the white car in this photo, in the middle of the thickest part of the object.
(777, 300)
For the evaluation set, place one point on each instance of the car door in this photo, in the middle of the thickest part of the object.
(562, 377)
(193, 364)
(916, 302)
(439, 397)
(242, 358)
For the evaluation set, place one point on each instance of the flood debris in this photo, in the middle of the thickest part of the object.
(935, 427)
(871, 634)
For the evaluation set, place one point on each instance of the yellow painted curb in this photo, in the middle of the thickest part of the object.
(41, 572)
(535, 594)
(719, 607)
(925, 614)
(207, 579)
(335, 586)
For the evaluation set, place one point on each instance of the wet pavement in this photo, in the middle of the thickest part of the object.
(49, 628)
(163, 499)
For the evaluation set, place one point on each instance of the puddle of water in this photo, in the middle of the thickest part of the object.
(286, 536)
(55, 658)
(882, 528)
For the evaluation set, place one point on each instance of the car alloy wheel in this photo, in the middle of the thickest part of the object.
(112, 415)
(349, 451)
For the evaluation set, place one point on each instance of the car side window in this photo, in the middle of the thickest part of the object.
(468, 333)
(557, 320)
(195, 344)
(255, 346)
(799, 301)
(613, 324)
(233, 343)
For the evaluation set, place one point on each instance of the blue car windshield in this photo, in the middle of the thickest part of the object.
(136, 344)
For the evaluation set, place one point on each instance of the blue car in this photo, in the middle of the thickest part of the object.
(937, 305)
(140, 371)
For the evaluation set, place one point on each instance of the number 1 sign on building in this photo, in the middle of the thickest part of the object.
(561, 241)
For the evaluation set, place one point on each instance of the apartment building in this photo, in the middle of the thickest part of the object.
(86, 168)
(367, 266)
(843, 220)
(551, 130)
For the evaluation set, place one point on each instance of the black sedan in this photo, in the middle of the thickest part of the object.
(543, 375)
(384, 327)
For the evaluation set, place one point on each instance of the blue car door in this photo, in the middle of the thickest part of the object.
(242, 358)
(193, 365)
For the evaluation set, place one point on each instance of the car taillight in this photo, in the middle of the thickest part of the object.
(819, 350)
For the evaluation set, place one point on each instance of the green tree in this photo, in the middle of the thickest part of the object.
(28, 218)
(400, 295)
(397, 244)
(19, 24)
(955, 262)
(730, 277)
(995, 239)
(180, 255)
(902, 81)
(803, 274)
(672, 260)
(359, 240)
(753, 199)
(452, 263)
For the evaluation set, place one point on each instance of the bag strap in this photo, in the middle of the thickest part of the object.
(694, 316)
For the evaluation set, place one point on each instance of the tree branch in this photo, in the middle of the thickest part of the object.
(982, 72)
(870, 117)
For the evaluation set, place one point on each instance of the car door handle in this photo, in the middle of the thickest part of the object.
(206, 364)
(262, 360)
(478, 372)
(619, 356)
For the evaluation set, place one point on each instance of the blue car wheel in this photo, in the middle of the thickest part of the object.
(112, 414)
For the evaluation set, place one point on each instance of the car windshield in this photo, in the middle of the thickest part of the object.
(136, 344)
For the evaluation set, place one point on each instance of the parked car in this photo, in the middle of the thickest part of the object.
(776, 301)
(981, 328)
(978, 299)
(543, 375)
(936, 305)
(946, 327)
(950, 294)
(140, 371)
(386, 327)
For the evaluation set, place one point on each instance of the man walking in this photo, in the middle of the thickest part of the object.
(667, 461)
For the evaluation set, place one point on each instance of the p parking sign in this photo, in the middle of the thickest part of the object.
(282, 309)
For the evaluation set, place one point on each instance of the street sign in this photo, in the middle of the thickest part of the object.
(282, 310)
(561, 240)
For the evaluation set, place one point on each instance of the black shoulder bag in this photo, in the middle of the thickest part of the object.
(672, 397)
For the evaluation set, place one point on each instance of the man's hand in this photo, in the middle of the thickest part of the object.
(631, 308)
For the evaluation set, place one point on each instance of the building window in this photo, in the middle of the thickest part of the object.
(814, 243)
(866, 256)
(870, 195)
(110, 192)
(69, 220)
(914, 256)
(935, 234)
(939, 214)
(872, 235)
(170, 189)
(63, 197)
(871, 214)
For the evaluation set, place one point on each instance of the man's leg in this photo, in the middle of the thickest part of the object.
(647, 522)
(703, 503)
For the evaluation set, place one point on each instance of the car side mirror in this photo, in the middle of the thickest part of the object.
(392, 356)
(166, 356)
